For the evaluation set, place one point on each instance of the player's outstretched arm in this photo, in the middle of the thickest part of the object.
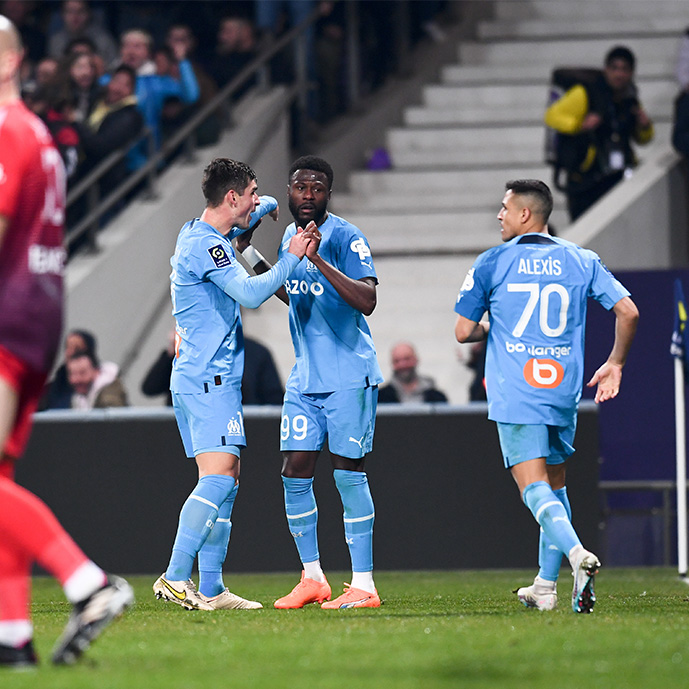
(359, 294)
(255, 259)
(252, 291)
(609, 376)
(467, 330)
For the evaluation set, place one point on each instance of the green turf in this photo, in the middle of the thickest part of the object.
(435, 629)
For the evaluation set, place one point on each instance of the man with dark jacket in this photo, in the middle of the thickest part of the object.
(602, 119)
(406, 384)
(114, 122)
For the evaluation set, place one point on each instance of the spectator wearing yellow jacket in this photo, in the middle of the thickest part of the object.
(599, 121)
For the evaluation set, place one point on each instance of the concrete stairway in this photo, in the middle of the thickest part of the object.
(430, 215)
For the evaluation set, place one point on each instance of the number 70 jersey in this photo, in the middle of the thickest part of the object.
(535, 289)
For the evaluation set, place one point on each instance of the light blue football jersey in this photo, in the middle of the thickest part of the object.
(332, 342)
(207, 286)
(535, 289)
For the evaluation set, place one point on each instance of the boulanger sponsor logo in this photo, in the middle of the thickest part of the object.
(537, 350)
(543, 373)
(304, 287)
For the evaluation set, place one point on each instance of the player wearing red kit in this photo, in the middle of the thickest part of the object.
(32, 205)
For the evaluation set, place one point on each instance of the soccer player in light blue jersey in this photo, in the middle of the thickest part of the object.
(332, 390)
(208, 287)
(535, 289)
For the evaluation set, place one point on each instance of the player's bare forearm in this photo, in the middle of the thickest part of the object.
(359, 294)
(467, 330)
(609, 376)
(626, 320)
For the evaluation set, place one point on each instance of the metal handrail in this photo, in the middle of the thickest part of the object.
(259, 66)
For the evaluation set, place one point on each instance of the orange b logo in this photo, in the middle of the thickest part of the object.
(543, 373)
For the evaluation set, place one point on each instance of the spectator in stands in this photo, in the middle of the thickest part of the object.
(235, 48)
(43, 74)
(180, 39)
(602, 119)
(406, 384)
(85, 46)
(260, 381)
(78, 22)
(46, 72)
(114, 123)
(55, 104)
(477, 363)
(95, 385)
(58, 393)
(151, 88)
(81, 78)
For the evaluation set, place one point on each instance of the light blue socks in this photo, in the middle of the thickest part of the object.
(196, 520)
(302, 516)
(551, 514)
(214, 551)
(549, 555)
(359, 515)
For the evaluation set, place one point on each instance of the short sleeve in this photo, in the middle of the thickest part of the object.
(355, 256)
(473, 298)
(605, 288)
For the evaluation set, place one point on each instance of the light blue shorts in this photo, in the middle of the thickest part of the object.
(521, 442)
(347, 418)
(210, 421)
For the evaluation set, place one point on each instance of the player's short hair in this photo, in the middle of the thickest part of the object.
(538, 192)
(223, 174)
(313, 163)
(621, 52)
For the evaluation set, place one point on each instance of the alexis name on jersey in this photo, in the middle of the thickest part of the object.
(537, 266)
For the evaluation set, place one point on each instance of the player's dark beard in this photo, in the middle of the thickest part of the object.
(318, 217)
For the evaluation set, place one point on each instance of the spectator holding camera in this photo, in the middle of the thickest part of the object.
(601, 119)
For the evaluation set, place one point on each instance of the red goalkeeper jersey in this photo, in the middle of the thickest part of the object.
(32, 256)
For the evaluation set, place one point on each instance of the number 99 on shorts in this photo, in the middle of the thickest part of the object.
(297, 428)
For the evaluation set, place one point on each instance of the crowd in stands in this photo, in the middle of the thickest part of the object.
(103, 74)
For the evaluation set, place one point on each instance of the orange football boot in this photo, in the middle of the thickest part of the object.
(353, 598)
(305, 592)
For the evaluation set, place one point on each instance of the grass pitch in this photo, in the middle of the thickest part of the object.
(435, 629)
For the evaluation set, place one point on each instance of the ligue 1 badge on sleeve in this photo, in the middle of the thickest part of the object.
(219, 256)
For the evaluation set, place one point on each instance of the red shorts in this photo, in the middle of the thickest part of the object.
(28, 384)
